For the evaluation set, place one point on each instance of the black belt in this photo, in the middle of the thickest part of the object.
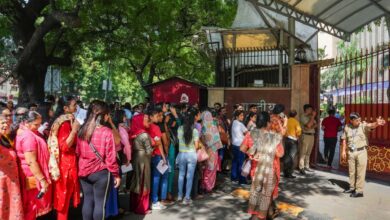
(312, 134)
(358, 149)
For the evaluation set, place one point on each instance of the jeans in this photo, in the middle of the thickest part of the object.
(187, 162)
(171, 175)
(156, 184)
(291, 149)
(95, 189)
(330, 147)
(238, 160)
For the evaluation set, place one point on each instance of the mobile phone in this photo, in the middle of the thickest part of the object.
(40, 195)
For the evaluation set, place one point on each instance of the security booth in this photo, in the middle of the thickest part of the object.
(178, 90)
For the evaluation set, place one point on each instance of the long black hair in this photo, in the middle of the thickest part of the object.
(44, 109)
(97, 112)
(62, 102)
(248, 118)
(262, 120)
(189, 124)
(118, 117)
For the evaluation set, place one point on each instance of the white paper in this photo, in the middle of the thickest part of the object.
(126, 169)
(81, 115)
(162, 167)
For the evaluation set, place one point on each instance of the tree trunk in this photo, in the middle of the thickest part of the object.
(31, 78)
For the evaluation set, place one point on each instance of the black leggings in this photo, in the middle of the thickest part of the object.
(95, 189)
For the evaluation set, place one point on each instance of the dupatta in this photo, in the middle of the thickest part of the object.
(52, 143)
(210, 132)
(264, 181)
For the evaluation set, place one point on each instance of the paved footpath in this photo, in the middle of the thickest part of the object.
(315, 197)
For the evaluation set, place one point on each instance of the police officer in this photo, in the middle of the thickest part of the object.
(355, 142)
(309, 125)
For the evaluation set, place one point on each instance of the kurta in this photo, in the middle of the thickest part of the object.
(10, 195)
(67, 186)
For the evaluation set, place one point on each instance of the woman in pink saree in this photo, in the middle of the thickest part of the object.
(212, 141)
(264, 147)
(33, 153)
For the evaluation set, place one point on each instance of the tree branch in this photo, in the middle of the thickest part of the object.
(51, 22)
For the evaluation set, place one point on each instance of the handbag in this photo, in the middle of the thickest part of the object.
(202, 154)
(31, 183)
(246, 168)
(224, 138)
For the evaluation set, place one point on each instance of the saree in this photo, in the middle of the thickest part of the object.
(210, 137)
(27, 141)
(10, 195)
(266, 146)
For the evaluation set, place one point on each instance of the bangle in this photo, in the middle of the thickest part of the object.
(40, 180)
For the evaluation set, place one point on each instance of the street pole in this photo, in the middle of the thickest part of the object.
(107, 81)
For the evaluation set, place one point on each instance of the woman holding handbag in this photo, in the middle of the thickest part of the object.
(187, 158)
(97, 161)
(33, 154)
(210, 137)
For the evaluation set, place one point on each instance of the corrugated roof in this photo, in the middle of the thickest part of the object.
(337, 17)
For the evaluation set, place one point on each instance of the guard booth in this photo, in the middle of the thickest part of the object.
(177, 90)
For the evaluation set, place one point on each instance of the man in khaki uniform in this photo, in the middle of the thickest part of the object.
(308, 124)
(355, 140)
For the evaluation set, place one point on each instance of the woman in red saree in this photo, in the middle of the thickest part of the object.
(62, 139)
(141, 161)
(34, 157)
(10, 195)
(264, 147)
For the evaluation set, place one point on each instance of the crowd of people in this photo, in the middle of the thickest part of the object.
(52, 158)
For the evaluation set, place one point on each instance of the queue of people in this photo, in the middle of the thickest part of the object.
(53, 158)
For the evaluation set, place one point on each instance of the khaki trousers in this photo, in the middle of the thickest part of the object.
(357, 165)
(305, 149)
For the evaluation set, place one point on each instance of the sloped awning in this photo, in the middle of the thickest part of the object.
(255, 38)
(337, 17)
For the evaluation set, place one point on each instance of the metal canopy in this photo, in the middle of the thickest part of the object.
(339, 18)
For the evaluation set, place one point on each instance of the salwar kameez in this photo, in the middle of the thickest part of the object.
(67, 187)
(266, 149)
(141, 176)
(210, 137)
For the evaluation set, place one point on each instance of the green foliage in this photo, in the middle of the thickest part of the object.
(134, 43)
(334, 77)
(145, 41)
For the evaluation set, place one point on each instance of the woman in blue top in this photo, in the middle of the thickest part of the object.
(188, 137)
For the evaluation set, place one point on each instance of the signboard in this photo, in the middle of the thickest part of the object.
(53, 80)
(107, 87)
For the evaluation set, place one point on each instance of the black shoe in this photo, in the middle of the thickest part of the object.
(309, 170)
(356, 195)
(290, 176)
(302, 172)
(349, 191)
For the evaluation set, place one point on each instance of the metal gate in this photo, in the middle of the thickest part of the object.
(359, 82)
